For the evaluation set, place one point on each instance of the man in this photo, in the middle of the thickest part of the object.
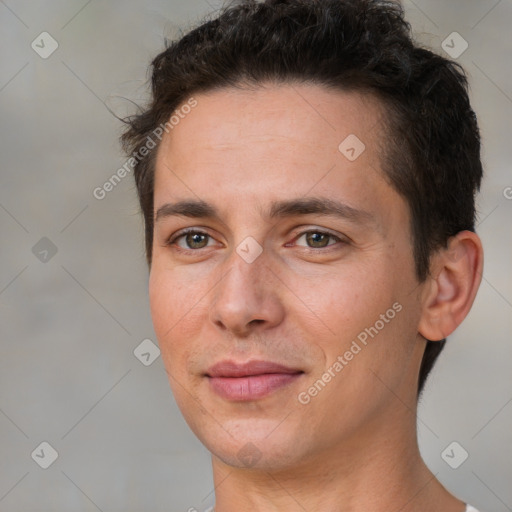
(307, 178)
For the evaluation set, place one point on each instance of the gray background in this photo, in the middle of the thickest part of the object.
(70, 323)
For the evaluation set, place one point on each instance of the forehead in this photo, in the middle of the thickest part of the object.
(271, 142)
(280, 113)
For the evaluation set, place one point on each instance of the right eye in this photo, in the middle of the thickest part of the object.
(190, 240)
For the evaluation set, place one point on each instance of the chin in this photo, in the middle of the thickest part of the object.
(242, 446)
(253, 456)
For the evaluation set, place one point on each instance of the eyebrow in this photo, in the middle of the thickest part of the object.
(188, 208)
(278, 209)
(318, 206)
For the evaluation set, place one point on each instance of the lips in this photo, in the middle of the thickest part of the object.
(232, 369)
(251, 380)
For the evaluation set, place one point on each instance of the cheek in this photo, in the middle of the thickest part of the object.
(345, 301)
(162, 302)
(348, 306)
(174, 294)
(375, 321)
(175, 305)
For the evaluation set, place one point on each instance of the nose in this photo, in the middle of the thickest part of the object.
(247, 297)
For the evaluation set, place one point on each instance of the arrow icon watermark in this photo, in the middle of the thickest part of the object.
(352, 147)
(146, 352)
(249, 249)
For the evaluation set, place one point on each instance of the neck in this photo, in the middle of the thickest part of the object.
(377, 469)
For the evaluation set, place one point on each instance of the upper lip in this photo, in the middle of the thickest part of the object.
(229, 368)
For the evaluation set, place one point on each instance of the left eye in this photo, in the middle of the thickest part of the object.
(317, 239)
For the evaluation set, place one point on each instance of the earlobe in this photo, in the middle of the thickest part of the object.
(455, 277)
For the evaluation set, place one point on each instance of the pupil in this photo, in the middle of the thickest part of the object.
(196, 240)
(317, 239)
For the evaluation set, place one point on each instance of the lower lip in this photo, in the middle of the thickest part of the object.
(251, 387)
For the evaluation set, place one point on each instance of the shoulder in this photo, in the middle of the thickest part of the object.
(469, 508)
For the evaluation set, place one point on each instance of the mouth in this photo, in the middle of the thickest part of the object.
(251, 380)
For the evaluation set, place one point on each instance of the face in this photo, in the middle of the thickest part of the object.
(282, 286)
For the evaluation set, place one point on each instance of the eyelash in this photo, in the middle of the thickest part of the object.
(174, 238)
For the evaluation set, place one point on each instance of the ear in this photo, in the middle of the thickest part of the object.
(456, 273)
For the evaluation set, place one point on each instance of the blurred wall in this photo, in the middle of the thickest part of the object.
(73, 280)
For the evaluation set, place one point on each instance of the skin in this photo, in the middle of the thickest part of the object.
(353, 447)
